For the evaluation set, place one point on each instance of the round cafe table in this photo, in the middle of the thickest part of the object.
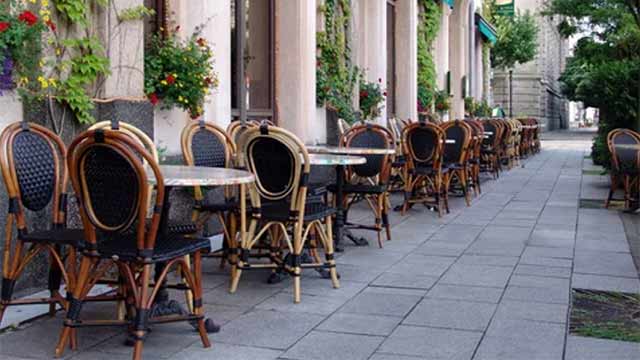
(189, 176)
(340, 230)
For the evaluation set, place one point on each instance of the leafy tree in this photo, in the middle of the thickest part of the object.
(517, 38)
(604, 71)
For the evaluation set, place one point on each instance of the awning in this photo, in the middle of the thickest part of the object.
(487, 30)
(450, 2)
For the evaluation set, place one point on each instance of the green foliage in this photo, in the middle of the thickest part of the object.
(336, 76)
(179, 73)
(371, 99)
(20, 41)
(135, 13)
(442, 101)
(428, 27)
(517, 40)
(604, 71)
(74, 10)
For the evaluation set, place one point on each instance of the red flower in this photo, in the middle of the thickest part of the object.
(51, 25)
(207, 81)
(4, 26)
(364, 94)
(201, 42)
(384, 93)
(28, 17)
(171, 79)
(153, 98)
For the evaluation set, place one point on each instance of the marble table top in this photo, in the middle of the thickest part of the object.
(336, 159)
(628, 146)
(181, 175)
(349, 150)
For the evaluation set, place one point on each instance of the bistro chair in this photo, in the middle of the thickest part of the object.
(489, 152)
(236, 128)
(426, 178)
(35, 177)
(343, 126)
(397, 180)
(475, 154)
(206, 144)
(625, 164)
(110, 173)
(280, 206)
(370, 181)
(456, 155)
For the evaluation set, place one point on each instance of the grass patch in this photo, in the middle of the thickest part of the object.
(594, 172)
(605, 315)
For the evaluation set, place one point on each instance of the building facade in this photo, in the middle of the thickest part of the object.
(535, 85)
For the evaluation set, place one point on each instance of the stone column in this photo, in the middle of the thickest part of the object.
(407, 59)
(372, 43)
(458, 49)
(441, 50)
(296, 66)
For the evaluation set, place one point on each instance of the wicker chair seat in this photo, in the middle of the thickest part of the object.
(73, 237)
(166, 248)
(279, 211)
(360, 189)
(220, 206)
(428, 170)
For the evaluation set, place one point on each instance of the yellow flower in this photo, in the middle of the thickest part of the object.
(33, 1)
(53, 82)
(180, 98)
(58, 51)
(24, 80)
(44, 3)
(46, 18)
(164, 82)
(41, 64)
(43, 82)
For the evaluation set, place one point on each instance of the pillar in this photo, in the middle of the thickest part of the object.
(458, 40)
(372, 43)
(407, 59)
(295, 54)
(441, 49)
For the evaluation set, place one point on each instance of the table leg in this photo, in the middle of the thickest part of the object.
(341, 215)
(164, 306)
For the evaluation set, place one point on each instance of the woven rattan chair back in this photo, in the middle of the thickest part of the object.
(280, 163)
(206, 144)
(423, 144)
(624, 160)
(34, 172)
(137, 134)
(370, 136)
(460, 132)
(107, 170)
(237, 128)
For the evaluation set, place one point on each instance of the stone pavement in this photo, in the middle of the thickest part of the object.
(487, 282)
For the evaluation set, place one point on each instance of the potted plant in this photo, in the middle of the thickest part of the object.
(20, 44)
(179, 73)
(442, 102)
(371, 99)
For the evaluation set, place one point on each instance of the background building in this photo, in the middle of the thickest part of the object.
(536, 89)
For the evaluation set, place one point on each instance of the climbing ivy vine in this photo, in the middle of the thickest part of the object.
(336, 76)
(428, 27)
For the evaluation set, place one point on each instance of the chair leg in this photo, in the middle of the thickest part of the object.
(142, 313)
(197, 304)
(462, 175)
(379, 205)
(329, 254)
(55, 280)
(612, 190)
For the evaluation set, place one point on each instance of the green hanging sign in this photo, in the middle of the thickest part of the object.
(505, 7)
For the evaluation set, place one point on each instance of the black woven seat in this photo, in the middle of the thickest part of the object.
(218, 206)
(279, 211)
(360, 189)
(167, 247)
(429, 170)
(73, 237)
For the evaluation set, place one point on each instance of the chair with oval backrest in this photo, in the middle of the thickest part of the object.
(281, 165)
(625, 163)
(456, 155)
(236, 128)
(35, 176)
(370, 181)
(206, 144)
(110, 173)
(489, 152)
(474, 154)
(426, 178)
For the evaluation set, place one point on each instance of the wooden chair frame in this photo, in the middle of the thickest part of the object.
(420, 188)
(617, 177)
(296, 193)
(378, 203)
(139, 289)
(16, 254)
(460, 172)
